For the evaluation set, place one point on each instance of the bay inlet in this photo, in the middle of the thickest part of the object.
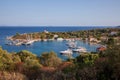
(43, 46)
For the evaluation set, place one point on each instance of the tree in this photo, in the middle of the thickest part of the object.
(5, 59)
(86, 59)
(24, 55)
(108, 66)
(50, 59)
(29, 59)
(110, 41)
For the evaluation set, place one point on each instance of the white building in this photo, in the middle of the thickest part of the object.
(60, 39)
(45, 31)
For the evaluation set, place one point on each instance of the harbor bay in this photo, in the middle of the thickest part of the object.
(45, 46)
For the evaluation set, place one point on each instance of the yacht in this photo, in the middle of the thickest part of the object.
(80, 49)
(68, 51)
(71, 44)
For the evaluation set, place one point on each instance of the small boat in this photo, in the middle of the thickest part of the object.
(71, 44)
(29, 42)
(80, 49)
(18, 43)
(9, 43)
(68, 51)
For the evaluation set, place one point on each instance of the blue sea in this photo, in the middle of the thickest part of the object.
(39, 47)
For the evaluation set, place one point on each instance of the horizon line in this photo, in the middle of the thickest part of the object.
(57, 26)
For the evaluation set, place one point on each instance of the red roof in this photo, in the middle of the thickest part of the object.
(101, 48)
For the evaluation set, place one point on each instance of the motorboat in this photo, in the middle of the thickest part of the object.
(71, 44)
(68, 51)
(80, 49)
(9, 43)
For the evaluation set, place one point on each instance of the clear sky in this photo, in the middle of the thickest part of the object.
(59, 12)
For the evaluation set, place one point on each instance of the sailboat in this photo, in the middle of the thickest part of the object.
(71, 44)
(29, 40)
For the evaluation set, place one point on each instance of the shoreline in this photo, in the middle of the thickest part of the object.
(93, 37)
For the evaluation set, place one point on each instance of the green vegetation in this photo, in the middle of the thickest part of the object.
(88, 66)
(103, 65)
(29, 59)
(101, 35)
(86, 59)
(50, 59)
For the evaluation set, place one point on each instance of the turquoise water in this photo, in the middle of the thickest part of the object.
(56, 46)
(40, 47)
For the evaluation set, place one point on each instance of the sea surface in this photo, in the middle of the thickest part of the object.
(39, 47)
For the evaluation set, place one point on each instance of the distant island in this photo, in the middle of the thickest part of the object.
(118, 26)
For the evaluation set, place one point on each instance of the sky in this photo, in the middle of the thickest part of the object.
(59, 12)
